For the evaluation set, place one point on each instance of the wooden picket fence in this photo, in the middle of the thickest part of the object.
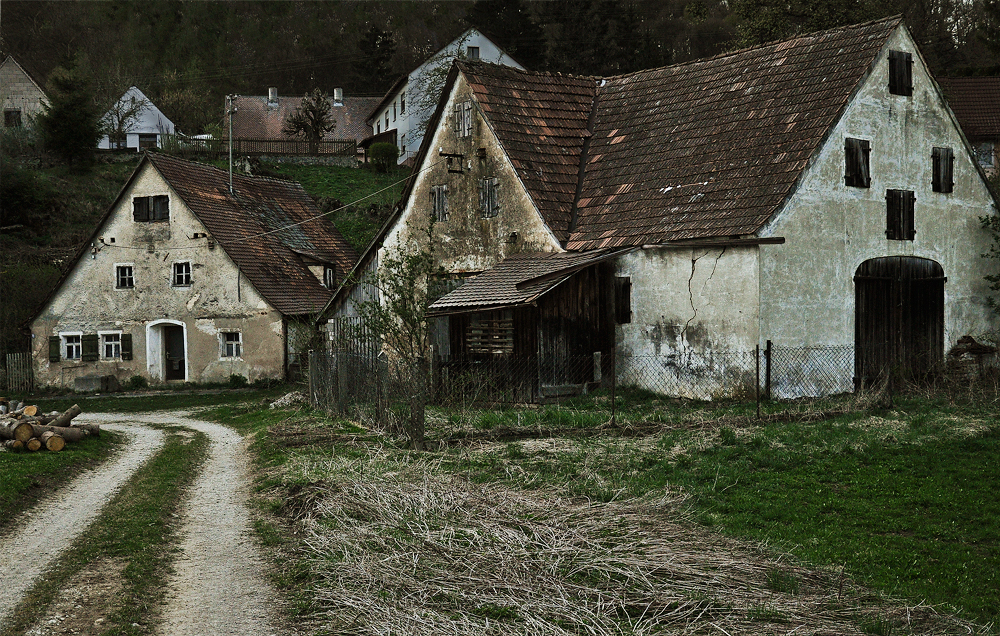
(19, 378)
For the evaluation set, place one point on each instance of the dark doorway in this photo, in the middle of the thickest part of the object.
(173, 338)
(898, 318)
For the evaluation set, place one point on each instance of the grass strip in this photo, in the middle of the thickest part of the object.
(137, 526)
(27, 477)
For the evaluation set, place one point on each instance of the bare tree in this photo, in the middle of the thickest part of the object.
(312, 120)
(122, 116)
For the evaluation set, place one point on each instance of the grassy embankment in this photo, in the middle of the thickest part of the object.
(550, 517)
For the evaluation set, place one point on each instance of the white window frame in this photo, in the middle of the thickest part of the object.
(472, 52)
(224, 344)
(131, 275)
(65, 344)
(103, 344)
(177, 275)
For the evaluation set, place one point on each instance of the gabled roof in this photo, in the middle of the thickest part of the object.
(519, 279)
(265, 227)
(710, 148)
(148, 119)
(541, 121)
(256, 118)
(10, 60)
(976, 104)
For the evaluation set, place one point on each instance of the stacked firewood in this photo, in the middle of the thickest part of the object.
(23, 428)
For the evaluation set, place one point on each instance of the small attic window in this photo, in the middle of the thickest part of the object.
(151, 208)
(463, 119)
(900, 73)
(330, 277)
(899, 205)
(473, 52)
(857, 170)
(943, 168)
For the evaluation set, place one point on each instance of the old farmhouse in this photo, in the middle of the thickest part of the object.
(22, 97)
(816, 193)
(185, 279)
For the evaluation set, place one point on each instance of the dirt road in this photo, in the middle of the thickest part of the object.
(219, 586)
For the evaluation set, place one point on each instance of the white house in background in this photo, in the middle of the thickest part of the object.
(20, 94)
(139, 120)
(401, 116)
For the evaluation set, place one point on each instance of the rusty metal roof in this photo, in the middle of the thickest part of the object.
(257, 118)
(266, 227)
(976, 103)
(541, 121)
(517, 280)
(710, 148)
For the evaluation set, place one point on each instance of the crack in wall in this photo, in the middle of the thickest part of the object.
(694, 265)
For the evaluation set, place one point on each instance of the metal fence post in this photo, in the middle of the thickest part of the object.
(756, 385)
(767, 372)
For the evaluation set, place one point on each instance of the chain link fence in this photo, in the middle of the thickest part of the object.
(369, 386)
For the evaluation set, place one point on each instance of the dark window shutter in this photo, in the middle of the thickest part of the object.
(89, 347)
(623, 300)
(943, 160)
(907, 205)
(55, 348)
(126, 346)
(900, 73)
(856, 162)
(161, 208)
(140, 209)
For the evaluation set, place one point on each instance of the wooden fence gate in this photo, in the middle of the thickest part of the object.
(19, 375)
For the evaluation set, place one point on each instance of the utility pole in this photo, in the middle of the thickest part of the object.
(230, 110)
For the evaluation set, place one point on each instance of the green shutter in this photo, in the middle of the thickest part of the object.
(55, 348)
(126, 346)
(89, 347)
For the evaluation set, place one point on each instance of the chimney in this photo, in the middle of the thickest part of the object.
(338, 97)
(272, 96)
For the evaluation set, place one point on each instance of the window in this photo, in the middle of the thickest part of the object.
(117, 141)
(473, 52)
(463, 119)
(330, 276)
(147, 140)
(111, 345)
(984, 154)
(943, 166)
(72, 346)
(182, 274)
(232, 344)
(402, 103)
(489, 197)
(12, 118)
(899, 206)
(394, 111)
(123, 277)
(623, 300)
(439, 202)
(378, 127)
(387, 120)
(856, 167)
(151, 208)
(900, 73)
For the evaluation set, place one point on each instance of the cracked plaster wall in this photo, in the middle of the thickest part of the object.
(830, 229)
(88, 301)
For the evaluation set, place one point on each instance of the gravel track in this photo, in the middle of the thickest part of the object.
(49, 528)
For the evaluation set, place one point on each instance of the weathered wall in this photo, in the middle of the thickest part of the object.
(218, 299)
(694, 319)
(807, 287)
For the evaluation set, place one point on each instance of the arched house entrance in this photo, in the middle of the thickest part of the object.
(898, 317)
(166, 350)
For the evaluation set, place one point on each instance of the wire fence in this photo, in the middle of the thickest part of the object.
(369, 385)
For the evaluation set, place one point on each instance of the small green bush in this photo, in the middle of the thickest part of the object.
(383, 156)
(237, 381)
(136, 382)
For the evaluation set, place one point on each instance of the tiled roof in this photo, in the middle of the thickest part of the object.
(976, 103)
(255, 118)
(245, 227)
(517, 280)
(541, 121)
(711, 148)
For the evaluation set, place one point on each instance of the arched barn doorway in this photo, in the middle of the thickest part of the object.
(898, 317)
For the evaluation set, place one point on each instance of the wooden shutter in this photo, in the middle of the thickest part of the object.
(126, 346)
(856, 162)
(900, 73)
(942, 160)
(55, 348)
(89, 347)
(140, 209)
(899, 221)
(161, 208)
(907, 200)
(623, 300)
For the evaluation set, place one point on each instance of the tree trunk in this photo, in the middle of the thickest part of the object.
(53, 441)
(68, 433)
(13, 444)
(68, 415)
(16, 429)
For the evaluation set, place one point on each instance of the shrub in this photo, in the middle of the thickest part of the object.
(237, 381)
(383, 156)
(136, 382)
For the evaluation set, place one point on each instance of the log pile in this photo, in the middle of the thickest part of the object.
(22, 427)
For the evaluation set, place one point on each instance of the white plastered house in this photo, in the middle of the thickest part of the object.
(816, 193)
(145, 129)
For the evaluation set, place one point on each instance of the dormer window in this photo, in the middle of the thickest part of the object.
(146, 209)
(900, 73)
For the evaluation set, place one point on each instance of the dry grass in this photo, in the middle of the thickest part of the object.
(396, 548)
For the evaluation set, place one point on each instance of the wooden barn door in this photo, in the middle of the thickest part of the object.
(898, 319)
